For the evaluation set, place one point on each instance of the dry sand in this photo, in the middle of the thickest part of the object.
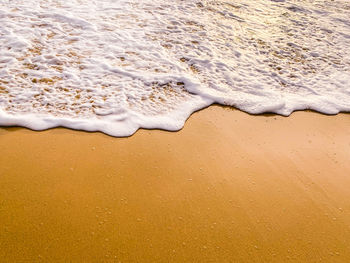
(229, 187)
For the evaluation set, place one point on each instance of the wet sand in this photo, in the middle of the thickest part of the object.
(229, 187)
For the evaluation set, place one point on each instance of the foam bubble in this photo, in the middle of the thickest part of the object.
(116, 66)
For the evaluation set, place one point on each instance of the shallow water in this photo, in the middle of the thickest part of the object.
(115, 66)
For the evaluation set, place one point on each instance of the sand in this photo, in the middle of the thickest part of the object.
(229, 187)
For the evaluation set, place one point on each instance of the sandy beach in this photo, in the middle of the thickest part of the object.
(228, 187)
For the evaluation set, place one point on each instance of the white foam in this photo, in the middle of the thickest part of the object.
(118, 65)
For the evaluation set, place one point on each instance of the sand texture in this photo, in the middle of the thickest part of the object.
(229, 187)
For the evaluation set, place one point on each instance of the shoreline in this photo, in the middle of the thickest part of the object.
(227, 187)
(265, 114)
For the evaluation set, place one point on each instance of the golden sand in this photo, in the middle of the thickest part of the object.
(229, 187)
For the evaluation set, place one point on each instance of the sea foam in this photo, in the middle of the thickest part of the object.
(118, 65)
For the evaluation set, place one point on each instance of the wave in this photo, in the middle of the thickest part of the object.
(119, 65)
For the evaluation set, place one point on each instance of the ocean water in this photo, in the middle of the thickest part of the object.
(118, 65)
